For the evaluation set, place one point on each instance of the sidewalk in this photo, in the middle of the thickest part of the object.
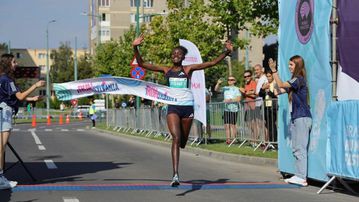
(253, 160)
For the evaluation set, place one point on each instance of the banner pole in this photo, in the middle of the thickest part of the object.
(334, 22)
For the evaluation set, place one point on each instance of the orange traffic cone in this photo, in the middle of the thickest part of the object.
(60, 119)
(67, 119)
(48, 120)
(80, 116)
(33, 124)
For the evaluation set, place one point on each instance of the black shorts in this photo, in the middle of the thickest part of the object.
(181, 111)
(230, 117)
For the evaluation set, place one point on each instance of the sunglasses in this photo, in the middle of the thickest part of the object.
(246, 76)
(231, 79)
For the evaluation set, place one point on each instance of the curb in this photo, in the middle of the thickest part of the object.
(252, 160)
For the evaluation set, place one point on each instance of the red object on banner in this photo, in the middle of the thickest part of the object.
(138, 73)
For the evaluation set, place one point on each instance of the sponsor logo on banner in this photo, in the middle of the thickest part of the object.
(304, 20)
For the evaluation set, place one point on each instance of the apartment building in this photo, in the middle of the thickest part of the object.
(110, 19)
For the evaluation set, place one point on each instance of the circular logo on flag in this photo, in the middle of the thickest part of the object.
(304, 20)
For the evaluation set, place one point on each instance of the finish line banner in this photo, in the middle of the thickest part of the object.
(123, 86)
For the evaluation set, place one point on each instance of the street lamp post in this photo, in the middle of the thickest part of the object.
(48, 94)
(98, 26)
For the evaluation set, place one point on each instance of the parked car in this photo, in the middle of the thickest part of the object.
(84, 109)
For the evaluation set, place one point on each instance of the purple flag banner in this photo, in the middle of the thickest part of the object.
(348, 37)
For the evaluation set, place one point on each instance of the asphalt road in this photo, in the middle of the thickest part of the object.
(74, 163)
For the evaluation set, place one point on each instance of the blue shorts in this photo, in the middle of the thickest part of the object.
(181, 111)
(6, 117)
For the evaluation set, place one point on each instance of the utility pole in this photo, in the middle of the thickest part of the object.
(48, 92)
(9, 47)
(75, 60)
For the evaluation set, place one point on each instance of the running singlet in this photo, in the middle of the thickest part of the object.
(177, 79)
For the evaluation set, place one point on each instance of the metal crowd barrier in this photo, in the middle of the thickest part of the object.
(255, 126)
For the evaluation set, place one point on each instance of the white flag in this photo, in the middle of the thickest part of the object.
(197, 81)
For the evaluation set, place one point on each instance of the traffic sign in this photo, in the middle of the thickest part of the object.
(134, 62)
(138, 73)
(74, 102)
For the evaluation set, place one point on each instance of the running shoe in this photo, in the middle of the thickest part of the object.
(6, 184)
(297, 180)
(175, 181)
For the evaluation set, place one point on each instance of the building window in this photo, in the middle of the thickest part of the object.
(143, 18)
(146, 18)
(18, 55)
(133, 18)
(41, 55)
(42, 68)
(133, 3)
(148, 3)
(104, 3)
(105, 32)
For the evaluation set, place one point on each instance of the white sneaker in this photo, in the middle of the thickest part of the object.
(297, 180)
(6, 184)
(175, 181)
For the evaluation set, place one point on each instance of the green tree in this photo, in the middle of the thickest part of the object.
(4, 47)
(260, 17)
(191, 23)
(85, 67)
(62, 69)
(114, 57)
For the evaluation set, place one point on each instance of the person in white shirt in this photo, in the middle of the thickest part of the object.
(262, 79)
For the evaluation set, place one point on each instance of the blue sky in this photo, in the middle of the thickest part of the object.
(23, 23)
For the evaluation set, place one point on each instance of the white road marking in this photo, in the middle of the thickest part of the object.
(16, 129)
(50, 164)
(79, 129)
(48, 129)
(70, 199)
(36, 138)
(64, 129)
(41, 147)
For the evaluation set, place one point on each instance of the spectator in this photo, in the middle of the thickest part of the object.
(269, 92)
(10, 95)
(259, 121)
(232, 97)
(248, 92)
(131, 102)
(301, 118)
(117, 104)
(62, 106)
